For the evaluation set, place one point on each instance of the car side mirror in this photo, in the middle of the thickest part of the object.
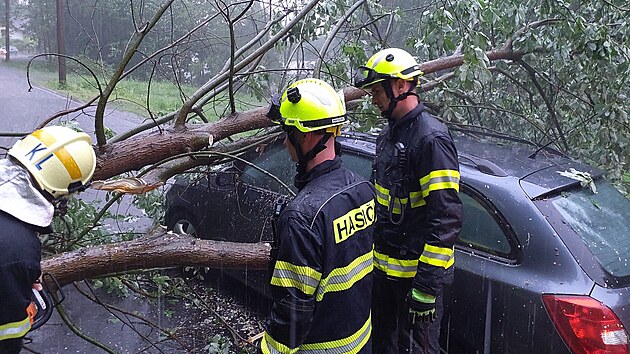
(226, 179)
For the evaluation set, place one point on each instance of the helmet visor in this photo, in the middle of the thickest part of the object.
(366, 76)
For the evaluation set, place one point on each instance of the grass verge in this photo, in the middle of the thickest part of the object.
(130, 95)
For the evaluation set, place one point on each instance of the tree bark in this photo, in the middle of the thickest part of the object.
(131, 154)
(157, 249)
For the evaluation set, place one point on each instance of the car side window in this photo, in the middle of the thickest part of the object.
(480, 230)
(275, 160)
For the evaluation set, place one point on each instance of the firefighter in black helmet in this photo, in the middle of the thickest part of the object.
(419, 214)
(321, 281)
(46, 165)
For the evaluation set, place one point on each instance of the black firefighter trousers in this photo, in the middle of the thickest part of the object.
(10, 346)
(392, 333)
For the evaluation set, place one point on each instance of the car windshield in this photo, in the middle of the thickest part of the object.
(602, 222)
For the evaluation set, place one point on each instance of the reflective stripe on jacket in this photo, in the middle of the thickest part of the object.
(321, 283)
(418, 210)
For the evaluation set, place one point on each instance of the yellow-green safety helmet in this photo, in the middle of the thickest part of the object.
(312, 104)
(61, 160)
(387, 64)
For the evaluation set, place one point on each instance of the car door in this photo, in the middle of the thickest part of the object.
(485, 248)
(263, 183)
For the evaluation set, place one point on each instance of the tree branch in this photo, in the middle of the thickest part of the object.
(158, 248)
(76, 330)
(99, 126)
(210, 85)
(550, 109)
(332, 35)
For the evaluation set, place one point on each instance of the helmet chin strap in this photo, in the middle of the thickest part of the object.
(304, 158)
(393, 101)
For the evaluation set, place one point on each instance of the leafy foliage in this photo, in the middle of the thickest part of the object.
(568, 89)
(77, 228)
(217, 345)
(152, 203)
(571, 90)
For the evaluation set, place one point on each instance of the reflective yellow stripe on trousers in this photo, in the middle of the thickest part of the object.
(350, 345)
(15, 329)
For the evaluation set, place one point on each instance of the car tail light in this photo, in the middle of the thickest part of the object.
(586, 325)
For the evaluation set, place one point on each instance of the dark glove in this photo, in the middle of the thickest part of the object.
(61, 206)
(421, 306)
(274, 109)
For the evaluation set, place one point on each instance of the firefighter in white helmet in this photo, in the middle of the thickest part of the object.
(44, 166)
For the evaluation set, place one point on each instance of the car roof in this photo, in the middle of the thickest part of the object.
(537, 167)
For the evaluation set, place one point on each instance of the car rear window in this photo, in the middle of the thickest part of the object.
(602, 221)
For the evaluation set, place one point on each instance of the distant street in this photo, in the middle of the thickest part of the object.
(22, 111)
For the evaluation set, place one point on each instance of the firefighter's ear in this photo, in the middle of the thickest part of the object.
(307, 137)
(401, 85)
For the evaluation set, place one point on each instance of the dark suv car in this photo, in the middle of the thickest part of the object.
(542, 265)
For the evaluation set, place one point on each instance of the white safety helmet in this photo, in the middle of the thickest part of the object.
(61, 160)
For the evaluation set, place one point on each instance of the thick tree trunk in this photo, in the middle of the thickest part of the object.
(158, 248)
(131, 154)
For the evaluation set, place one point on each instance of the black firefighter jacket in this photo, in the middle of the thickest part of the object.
(419, 214)
(20, 254)
(321, 282)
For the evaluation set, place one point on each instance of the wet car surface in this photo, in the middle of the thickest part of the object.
(542, 263)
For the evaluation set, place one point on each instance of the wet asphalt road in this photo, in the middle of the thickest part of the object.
(22, 111)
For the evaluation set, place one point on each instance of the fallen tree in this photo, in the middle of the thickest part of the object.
(128, 155)
(548, 71)
(158, 248)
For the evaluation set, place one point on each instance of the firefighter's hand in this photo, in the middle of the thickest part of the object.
(61, 206)
(421, 306)
(37, 285)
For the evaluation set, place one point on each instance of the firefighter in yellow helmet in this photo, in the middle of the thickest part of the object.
(321, 270)
(419, 214)
(386, 68)
(44, 166)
